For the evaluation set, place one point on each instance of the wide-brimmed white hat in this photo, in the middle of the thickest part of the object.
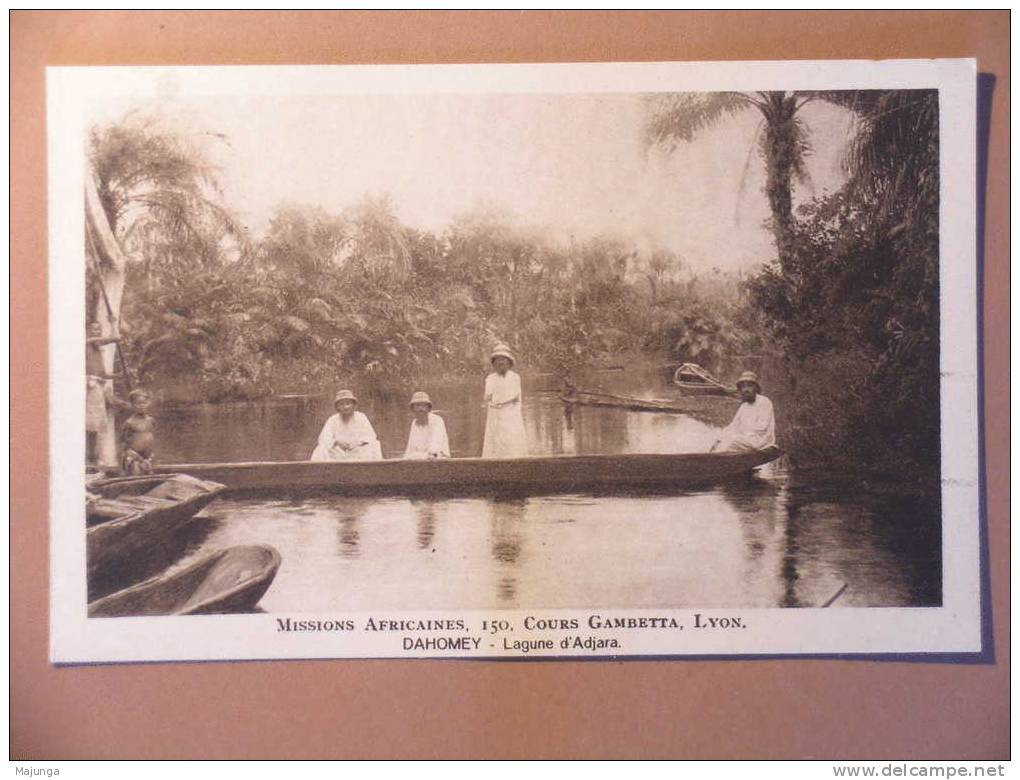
(344, 395)
(502, 350)
(420, 398)
(749, 378)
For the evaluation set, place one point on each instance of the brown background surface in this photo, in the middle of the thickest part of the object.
(668, 709)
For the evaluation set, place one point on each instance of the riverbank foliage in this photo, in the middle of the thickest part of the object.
(844, 318)
(211, 313)
(854, 305)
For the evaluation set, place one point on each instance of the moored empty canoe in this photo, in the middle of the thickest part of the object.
(127, 516)
(227, 581)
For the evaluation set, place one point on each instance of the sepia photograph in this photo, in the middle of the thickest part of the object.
(513, 361)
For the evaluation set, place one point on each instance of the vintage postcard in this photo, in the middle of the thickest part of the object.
(534, 361)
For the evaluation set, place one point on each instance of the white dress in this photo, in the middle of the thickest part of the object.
(429, 440)
(356, 432)
(504, 424)
(753, 427)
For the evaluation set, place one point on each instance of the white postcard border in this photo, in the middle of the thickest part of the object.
(954, 627)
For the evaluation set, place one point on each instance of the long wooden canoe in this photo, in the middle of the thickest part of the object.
(596, 398)
(713, 409)
(535, 475)
(129, 516)
(230, 580)
(692, 379)
(703, 388)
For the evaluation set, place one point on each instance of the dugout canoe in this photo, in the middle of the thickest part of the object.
(227, 581)
(127, 517)
(596, 398)
(534, 475)
(701, 388)
(692, 379)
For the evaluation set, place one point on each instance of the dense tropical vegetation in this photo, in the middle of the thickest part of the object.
(850, 302)
(212, 313)
(847, 310)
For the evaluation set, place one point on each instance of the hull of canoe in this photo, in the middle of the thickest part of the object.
(630, 404)
(702, 388)
(459, 475)
(116, 543)
(227, 581)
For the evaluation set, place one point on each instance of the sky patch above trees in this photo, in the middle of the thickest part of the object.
(574, 165)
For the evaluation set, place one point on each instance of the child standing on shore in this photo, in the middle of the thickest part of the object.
(137, 435)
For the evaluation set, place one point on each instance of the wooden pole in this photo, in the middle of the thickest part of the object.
(114, 323)
(110, 263)
(834, 596)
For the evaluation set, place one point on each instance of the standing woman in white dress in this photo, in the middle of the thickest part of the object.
(504, 423)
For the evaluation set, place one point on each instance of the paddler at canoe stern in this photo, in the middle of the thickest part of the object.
(427, 438)
(347, 435)
(754, 425)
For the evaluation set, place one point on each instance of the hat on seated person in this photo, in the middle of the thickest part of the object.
(344, 395)
(749, 378)
(421, 398)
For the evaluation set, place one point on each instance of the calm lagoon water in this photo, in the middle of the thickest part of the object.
(777, 539)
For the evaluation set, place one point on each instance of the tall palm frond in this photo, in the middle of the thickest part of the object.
(895, 146)
(784, 145)
(677, 117)
(154, 176)
(380, 241)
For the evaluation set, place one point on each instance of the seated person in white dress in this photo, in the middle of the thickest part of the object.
(347, 435)
(754, 425)
(428, 431)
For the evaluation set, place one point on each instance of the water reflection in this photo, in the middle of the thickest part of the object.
(506, 519)
(760, 508)
(349, 514)
(347, 535)
(791, 558)
(286, 428)
(772, 540)
(759, 543)
(426, 512)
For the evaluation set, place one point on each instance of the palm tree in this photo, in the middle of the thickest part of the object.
(151, 199)
(379, 241)
(160, 195)
(894, 154)
(148, 171)
(893, 167)
(676, 118)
